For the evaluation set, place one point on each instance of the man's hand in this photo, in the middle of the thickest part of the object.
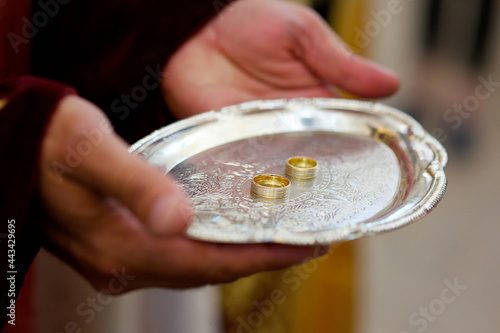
(259, 49)
(110, 211)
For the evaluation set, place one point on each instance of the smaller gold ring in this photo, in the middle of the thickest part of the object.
(271, 186)
(301, 167)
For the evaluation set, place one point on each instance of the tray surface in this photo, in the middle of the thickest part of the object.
(378, 169)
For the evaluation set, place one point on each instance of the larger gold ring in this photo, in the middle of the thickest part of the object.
(270, 186)
(301, 167)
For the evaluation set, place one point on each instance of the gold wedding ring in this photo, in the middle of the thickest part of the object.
(270, 186)
(301, 167)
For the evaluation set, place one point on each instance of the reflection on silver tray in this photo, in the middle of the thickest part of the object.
(378, 169)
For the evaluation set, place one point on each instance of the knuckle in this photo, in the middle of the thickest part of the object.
(305, 21)
(139, 188)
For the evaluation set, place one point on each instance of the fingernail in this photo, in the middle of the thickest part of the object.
(170, 215)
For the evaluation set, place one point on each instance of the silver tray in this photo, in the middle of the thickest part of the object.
(378, 169)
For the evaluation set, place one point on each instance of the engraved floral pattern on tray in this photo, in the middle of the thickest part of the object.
(358, 177)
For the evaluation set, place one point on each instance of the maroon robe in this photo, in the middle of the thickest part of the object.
(111, 52)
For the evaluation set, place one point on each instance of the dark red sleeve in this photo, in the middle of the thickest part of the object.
(113, 52)
(26, 104)
(104, 48)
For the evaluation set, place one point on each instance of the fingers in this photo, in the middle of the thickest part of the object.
(202, 262)
(327, 55)
(100, 160)
(244, 260)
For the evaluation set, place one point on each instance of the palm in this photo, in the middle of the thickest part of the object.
(273, 50)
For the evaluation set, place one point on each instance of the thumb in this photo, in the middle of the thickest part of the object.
(106, 166)
(328, 56)
(153, 197)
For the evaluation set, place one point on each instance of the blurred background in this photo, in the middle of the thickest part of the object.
(437, 275)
